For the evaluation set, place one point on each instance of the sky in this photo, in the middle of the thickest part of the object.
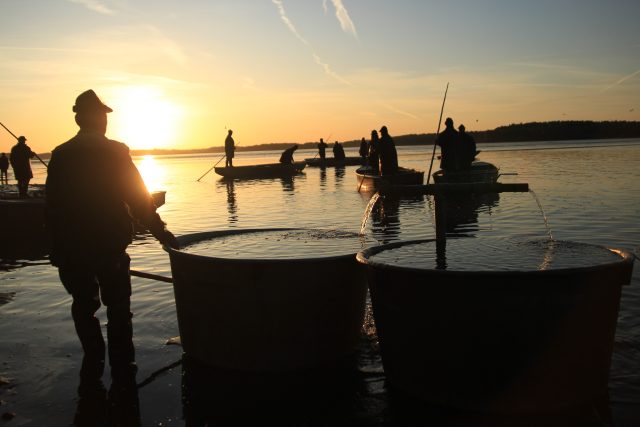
(179, 74)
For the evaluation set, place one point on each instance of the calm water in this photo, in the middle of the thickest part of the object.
(590, 193)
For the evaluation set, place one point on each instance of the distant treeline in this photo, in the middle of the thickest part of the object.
(533, 131)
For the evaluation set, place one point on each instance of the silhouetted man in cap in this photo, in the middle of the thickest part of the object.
(388, 153)
(322, 146)
(449, 142)
(93, 193)
(20, 159)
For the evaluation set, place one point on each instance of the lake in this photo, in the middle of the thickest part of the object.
(583, 191)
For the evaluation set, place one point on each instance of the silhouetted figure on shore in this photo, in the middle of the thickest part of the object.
(20, 159)
(388, 153)
(322, 146)
(4, 167)
(467, 148)
(374, 152)
(229, 149)
(287, 155)
(364, 149)
(449, 142)
(338, 151)
(94, 193)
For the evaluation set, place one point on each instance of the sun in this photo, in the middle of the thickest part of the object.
(143, 117)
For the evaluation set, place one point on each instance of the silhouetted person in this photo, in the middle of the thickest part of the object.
(364, 149)
(374, 152)
(20, 159)
(467, 148)
(321, 149)
(388, 153)
(4, 167)
(93, 194)
(287, 155)
(449, 141)
(229, 149)
(338, 151)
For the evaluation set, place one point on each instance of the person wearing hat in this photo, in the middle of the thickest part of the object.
(388, 153)
(93, 194)
(449, 142)
(20, 159)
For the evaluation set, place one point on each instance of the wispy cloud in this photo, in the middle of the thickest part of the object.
(95, 6)
(622, 80)
(399, 111)
(343, 17)
(327, 69)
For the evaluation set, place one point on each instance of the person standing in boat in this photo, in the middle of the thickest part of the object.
(322, 146)
(374, 152)
(388, 153)
(364, 149)
(338, 151)
(4, 167)
(229, 149)
(467, 148)
(20, 159)
(93, 193)
(287, 155)
(449, 142)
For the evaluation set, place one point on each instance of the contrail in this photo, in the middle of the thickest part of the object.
(95, 6)
(343, 17)
(625, 78)
(328, 70)
(287, 21)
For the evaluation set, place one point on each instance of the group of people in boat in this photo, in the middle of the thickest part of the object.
(20, 160)
(457, 148)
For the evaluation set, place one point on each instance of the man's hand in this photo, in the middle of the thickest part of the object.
(167, 238)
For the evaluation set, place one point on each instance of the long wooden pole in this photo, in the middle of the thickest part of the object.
(37, 157)
(151, 276)
(219, 160)
(437, 133)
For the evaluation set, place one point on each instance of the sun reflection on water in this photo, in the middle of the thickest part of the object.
(152, 173)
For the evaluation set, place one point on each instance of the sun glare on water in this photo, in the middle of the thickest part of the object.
(152, 174)
(143, 118)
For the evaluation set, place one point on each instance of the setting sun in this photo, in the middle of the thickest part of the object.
(143, 117)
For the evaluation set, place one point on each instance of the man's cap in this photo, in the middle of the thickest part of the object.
(88, 102)
(383, 129)
(22, 138)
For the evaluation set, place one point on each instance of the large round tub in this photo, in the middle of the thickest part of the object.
(496, 341)
(267, 314)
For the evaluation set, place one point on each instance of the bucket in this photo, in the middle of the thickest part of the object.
(267, 314)
(496, 341)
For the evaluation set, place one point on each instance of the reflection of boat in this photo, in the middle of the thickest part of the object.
(368, 181)
(479, 172)
(268, 170)
(329, 162)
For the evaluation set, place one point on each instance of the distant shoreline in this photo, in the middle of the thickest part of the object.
(522, 132)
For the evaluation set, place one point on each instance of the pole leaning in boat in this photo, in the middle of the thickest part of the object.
(12, 134)
(437, 133)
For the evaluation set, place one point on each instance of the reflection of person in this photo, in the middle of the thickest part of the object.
(93, 193)
(448, 141)
(229, 148)
(338, 151)
(374, 147)
(321, 149)
(287, 155)
(467, 148)
(388, 153)
(20, 159)
(364, 149)
(4, 167)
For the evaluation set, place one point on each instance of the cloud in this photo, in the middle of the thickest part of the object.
(622, 80)
(328, 70)
(343, 17)
(95, 6)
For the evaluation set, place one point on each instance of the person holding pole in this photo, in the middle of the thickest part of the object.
(229, 149)
(93, 193)
(449, 143)
(20, 159)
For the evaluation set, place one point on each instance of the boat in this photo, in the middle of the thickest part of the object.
(268, 170)
(369, 181)
(480, 172)
(331, 162)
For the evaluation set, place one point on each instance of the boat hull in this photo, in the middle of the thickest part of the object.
(270, 170)
(258, 315)
(480, 172)
(332, 162)
(372, 182)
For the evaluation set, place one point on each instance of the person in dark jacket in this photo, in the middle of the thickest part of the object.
(467, 148)
(338, 151)
(93, 194)
(374, 152)
(4, 167)
(449, 143)
(20, 159)
(322, 146)
(229, 149)
(364, 149)
(287, 155)
(388, 153)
